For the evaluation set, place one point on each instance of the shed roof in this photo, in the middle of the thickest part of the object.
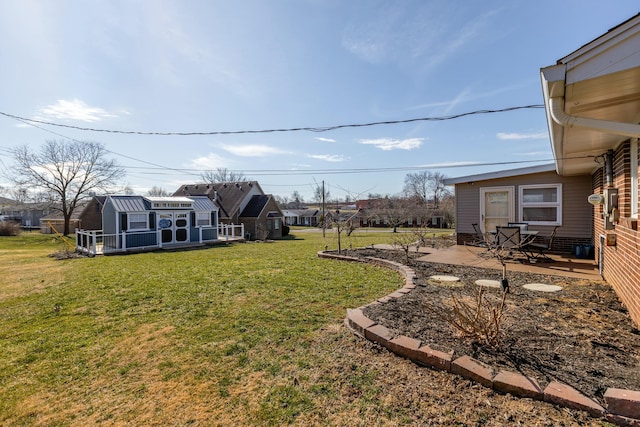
(203, 204)
(130, 203)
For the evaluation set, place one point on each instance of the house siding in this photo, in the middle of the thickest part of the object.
(577, 224)
(620, 262)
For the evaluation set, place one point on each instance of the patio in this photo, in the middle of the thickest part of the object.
(563, 264)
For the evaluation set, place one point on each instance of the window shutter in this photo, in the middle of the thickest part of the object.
(213, 218)
(123, 221)
(152, 220)
(193, 219)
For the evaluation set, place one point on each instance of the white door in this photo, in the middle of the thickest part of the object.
(174, 226)
(496, 207)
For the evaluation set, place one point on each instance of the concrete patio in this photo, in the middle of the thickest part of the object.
(563, 264)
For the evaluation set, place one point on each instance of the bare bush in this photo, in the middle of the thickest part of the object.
(478, 320)
(10, 228)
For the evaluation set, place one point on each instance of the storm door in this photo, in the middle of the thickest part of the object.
(496, 207)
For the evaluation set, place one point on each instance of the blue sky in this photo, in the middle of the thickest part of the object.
(210, 66)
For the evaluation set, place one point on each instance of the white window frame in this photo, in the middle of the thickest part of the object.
(558, 204)
(203, 219)
(138, 221)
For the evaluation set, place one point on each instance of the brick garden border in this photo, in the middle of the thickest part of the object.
(622, 406)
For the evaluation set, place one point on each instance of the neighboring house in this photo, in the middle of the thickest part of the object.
(372, 213)
(592, 101)
(303, 217)
(536, 195)
(136, 223)
(242, 203)
(27, 214)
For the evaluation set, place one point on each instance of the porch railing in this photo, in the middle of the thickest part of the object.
(95, 242)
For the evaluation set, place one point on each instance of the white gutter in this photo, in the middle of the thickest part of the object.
(556, 110)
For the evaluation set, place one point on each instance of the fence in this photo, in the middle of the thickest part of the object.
(95, 242)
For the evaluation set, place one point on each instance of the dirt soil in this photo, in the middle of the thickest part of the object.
(581, 336)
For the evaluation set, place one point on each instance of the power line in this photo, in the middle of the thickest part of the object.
(297, 129)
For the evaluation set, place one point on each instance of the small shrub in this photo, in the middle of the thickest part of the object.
(10, 228)
(285, 230)
(479, 320)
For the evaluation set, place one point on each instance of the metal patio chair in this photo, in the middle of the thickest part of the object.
(537, 250)
(479, 239)
(509, 238)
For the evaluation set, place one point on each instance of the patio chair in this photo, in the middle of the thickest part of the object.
(509, 238)
(479, 239)
(537, 250)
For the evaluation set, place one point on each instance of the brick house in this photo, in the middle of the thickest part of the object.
(592, 103)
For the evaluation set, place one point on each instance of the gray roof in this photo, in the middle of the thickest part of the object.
(130, 203)
(142, 203)
(203, 204)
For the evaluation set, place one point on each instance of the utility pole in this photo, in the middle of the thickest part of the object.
(324, 215)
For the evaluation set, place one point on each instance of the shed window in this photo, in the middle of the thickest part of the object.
(541, 204)
(203, 219)
(138, 221)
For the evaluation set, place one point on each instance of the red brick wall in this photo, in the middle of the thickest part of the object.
(621, 263)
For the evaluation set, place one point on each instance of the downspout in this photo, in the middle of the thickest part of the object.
(556, 105)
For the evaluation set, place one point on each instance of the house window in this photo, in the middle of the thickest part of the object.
(203, 219)
(276, 224)
(138, 221)
(541, 204)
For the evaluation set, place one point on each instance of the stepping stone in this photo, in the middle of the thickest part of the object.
(541, 287)
(451, 281)
(488, 283)
(445, 278)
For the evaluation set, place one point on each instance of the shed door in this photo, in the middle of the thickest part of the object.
(497, 207)
(174, 227)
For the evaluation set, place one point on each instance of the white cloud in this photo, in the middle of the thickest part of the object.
(211, 161)
(252, 150)
(74, 109)
(328, 157)
(325, 139)
(520, 136)
(387, 144)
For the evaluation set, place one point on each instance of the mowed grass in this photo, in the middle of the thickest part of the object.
(226, 335)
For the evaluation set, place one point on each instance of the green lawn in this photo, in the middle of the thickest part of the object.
(227, 333)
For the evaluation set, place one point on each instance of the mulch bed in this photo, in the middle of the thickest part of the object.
(581, 336)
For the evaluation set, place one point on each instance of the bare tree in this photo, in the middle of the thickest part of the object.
(395, 211)
(158, 191)
(68, 172)
(297, 200)
(343, 223)
(317, 194)
(426, 186)
(222, 175)
(127, 190)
